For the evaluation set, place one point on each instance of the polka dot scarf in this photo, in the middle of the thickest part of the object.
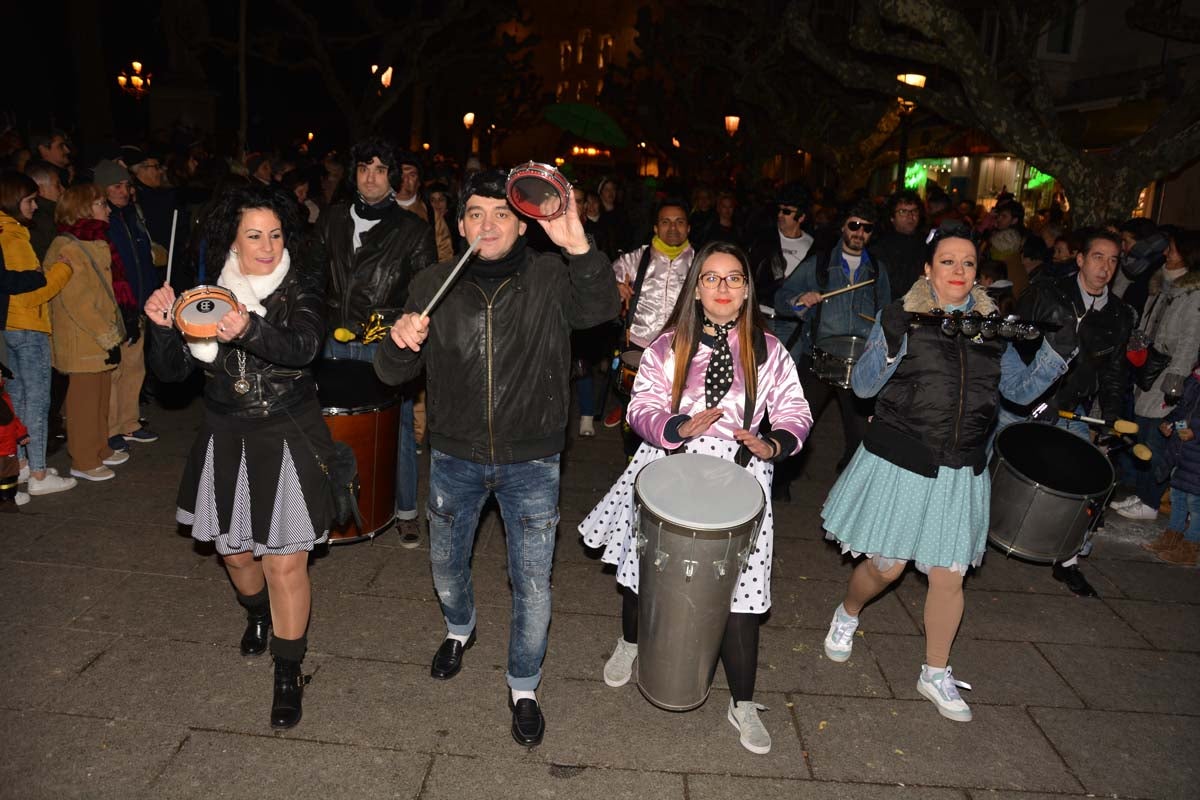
(719, 376)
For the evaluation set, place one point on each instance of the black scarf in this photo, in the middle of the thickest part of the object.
(719, 375)
(502, 267)
(376, 210)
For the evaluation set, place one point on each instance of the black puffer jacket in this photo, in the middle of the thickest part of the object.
(376, 276)
(279, 349)
(938, 406)
(497, 361)
(1100, 368)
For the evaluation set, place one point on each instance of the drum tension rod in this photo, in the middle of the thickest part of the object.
(719, 567)
(661, 557)
(690, 564)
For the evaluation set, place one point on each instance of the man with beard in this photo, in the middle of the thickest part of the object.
(1093, 324)
(496, 354)
(903, 247)
(374, 248)
(804, 321)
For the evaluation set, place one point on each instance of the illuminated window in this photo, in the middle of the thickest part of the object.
(581, 89)
(564, 55)
(563, 88)
(585, 36)
(604, 51)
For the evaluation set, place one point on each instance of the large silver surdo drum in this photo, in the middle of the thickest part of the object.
(1048, 485)
(696, 519)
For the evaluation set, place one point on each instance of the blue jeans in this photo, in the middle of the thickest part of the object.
(406, 445)
(1185, 514)
(1151, 477)
(29, 359)
(585, 392)
(528, 495)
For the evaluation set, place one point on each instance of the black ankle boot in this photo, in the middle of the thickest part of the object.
(286, 707)
(258, 626)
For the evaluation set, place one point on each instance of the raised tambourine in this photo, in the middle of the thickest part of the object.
(538, 190)
(197, 311)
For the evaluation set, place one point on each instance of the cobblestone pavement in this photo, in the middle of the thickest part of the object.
(122, 677)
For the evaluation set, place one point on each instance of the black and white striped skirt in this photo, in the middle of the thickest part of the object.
(255, 485)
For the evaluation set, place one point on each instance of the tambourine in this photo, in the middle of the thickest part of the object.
(538, 191)
(197, 311)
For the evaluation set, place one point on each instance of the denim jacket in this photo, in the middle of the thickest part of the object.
(840, 316)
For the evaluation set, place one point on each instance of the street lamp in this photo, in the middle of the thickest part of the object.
(134, 83)
(906, 109)
(731, 125)
(468, 120)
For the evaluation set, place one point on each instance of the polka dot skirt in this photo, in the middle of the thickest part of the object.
(610, 525)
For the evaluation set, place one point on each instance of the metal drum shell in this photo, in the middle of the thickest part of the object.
(681, 620)
(1036, 512)
(365, 414)
(834, 358)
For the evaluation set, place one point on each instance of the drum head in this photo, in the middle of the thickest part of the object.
(198, 310)
(346, 386)
(700, 492)
(849, 347)
(538, 191)
(631, 358)
(1055, 458)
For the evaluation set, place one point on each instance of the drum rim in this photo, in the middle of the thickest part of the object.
(998, 457)
(350, 411)
(649, 506)
(548, 172)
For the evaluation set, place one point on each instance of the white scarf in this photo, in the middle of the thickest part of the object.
(250, 291)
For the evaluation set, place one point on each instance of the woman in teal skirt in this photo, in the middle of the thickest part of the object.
(916, 489)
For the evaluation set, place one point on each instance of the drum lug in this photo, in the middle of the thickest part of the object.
(689, 568)
(661, 557)
(720, 568)
(639, 539)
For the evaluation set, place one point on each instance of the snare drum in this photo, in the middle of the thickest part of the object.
(538, 190)
(697, 518)
(627, 371)
(364, 413)
(197, 311)
(834, 358)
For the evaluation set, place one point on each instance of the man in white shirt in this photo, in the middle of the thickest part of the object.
(775, 257)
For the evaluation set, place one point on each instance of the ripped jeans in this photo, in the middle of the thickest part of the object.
(528, 496)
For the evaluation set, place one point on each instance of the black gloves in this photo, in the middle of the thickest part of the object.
(894, 321)
(114, 356)
(1027, 348)
(132, 319)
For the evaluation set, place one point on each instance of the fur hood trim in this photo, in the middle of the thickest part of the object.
(920, 299)
(1189, 280)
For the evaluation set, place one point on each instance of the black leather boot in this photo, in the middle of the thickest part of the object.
(258, 626)
(286, 706)
(258, 622)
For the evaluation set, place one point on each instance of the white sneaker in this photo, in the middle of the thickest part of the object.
(744, 717)
(1128, 502)
(619, 667)
(118, 457)
(22, 498)
(587, 426)
(50, 484)
(101, 473)
(840, 639)
(23, 476)
(1138, 510)
(942, 689)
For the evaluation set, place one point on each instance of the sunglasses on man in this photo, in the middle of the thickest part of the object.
(855, 225)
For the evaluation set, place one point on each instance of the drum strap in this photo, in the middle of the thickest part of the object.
(643, 268)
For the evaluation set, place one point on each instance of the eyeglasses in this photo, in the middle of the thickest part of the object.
(711, 280)
(908, 212)
(855, 225)
(788, 211)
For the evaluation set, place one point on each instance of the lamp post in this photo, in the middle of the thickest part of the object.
(134, 83)
(906, 109)
(468, 122)
(731, 125)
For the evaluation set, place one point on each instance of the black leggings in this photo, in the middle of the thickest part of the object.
(739, 646)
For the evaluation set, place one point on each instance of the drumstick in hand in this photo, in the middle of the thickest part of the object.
(1120, 426)
(450, 278)
(171, 251)
(842, 290)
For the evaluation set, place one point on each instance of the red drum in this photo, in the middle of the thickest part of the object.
(365, 414)
(197, 311)
(538, 191)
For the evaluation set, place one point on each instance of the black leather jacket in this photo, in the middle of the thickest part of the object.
(376, 276)
(279, 349)
(1100, 368)
(497, 360)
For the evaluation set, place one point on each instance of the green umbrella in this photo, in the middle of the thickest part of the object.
(586, 122)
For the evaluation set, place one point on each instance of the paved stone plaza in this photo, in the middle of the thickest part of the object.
(122, 677)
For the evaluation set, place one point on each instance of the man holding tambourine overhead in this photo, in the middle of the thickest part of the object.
(496, 354)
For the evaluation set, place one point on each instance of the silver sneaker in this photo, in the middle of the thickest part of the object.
(753, 734)
(840, 639)
(943, 692)
(619, 667)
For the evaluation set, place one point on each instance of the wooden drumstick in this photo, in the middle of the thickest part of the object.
(1120, 426)
(171, 251)
(450, 278)
(867, 317)
(845, 289)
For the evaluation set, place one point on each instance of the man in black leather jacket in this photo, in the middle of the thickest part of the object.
(496, 353)
(374, 248)
(1093, 325)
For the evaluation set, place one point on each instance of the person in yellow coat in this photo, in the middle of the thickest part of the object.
(27, 331)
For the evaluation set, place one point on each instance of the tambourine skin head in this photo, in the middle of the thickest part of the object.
(538, 191)
(197, 311)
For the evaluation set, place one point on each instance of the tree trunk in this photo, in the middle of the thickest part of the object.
(1097, 194)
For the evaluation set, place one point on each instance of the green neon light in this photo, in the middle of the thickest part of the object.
(915, 173)
(1037, 179)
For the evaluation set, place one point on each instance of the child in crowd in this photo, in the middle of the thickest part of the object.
(12, 436)
(993, 276)
(1180, 542)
